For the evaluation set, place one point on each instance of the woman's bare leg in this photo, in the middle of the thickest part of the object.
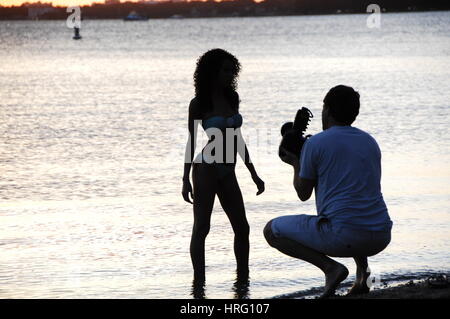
(230, 197)
(204, 189)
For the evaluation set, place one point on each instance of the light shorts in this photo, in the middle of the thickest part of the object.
(335, 240)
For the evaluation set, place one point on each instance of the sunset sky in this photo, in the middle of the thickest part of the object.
(7, 3)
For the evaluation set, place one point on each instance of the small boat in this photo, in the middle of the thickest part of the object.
(133, 16)
(76, 35)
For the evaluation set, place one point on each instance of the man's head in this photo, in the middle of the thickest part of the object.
(340, 106)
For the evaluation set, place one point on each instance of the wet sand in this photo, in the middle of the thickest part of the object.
(434, 285)
(419, 289)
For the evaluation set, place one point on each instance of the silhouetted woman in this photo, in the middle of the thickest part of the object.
(216, 107)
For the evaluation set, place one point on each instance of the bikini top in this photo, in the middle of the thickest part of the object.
(222, 122)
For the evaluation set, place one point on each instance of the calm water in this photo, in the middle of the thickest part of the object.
(93, 132)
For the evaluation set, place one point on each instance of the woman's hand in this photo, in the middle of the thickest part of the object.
(259, 183)
(187, 189)
(288, 157)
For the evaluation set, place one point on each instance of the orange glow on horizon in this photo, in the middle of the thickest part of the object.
(65, 3)
(55, 3)
(62, 3)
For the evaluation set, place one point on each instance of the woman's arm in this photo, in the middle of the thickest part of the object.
(243, 153)
(242, 147)
(191, 143)
(190, 150)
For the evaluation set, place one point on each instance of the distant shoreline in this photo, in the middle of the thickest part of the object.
(178, 17)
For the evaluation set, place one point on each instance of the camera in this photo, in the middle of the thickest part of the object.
(293, 132)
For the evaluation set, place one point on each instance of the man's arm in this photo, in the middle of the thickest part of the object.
(303, 186)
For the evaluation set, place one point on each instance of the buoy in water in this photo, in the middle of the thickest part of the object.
(76, 35)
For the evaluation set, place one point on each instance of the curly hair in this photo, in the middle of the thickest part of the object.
(208, 67)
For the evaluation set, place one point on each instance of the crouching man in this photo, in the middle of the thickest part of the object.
(343, 165)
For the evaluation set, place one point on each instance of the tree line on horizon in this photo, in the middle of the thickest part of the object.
(225, 8)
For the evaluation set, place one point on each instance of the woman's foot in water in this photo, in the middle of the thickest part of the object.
(198, 289)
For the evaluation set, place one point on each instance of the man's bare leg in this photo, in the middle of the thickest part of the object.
(360, 285)
(335, 272)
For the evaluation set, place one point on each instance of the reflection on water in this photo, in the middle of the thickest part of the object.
(198, 289)
(93, 135)
(241, 288)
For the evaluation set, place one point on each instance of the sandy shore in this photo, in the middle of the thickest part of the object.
(419, 289)
(431, 286)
